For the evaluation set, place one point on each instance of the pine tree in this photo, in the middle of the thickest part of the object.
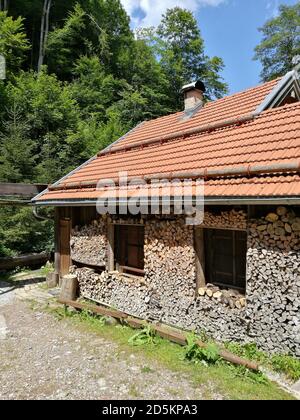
(17, 158)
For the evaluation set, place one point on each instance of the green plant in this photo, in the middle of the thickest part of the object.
(48, 268)
(196, 354)
(255, 377)
(247, 351)
(147, 369)
(144, 337)
(288, 365)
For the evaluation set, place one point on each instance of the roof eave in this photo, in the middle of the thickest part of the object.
(255, 200)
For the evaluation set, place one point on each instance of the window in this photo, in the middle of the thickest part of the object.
(129, 249)
(225, 258)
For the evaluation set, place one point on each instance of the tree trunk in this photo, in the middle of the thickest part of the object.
(44, 32)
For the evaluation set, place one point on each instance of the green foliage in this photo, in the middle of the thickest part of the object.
(247, 351)
(196, 354)
(17, 157)
(21, 233)
(288, 365)
(280, 42)
(13, 42)
(98, 82)
(144, 337)
(181, 48)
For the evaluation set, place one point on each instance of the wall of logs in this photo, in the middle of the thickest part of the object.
(269, 313)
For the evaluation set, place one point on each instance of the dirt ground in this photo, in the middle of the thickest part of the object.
(44, 358)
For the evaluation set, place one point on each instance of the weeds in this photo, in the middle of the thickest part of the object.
(288, 365)
(143, 337)
(196, 354)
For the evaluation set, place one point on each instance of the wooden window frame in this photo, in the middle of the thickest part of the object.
(221, 284)
(112, 264)
(200, 247)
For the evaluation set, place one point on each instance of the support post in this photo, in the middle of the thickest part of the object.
(110, 247)
(57, 242)
(200, 258)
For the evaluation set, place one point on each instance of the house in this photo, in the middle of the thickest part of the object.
(234, 275)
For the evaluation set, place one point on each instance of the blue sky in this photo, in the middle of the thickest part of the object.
(229, 28)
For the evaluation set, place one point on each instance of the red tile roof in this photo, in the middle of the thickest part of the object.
(269, 139)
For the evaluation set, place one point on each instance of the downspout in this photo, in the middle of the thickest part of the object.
(39, 217)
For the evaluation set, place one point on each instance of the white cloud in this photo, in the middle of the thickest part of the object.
(148, 12)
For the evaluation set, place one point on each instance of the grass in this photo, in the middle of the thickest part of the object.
(219, 378)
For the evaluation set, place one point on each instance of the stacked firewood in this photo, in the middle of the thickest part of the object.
(89, 243)
(130, 295)
(279, 230)
(230, 297)
(273, 288)
(170, 258)
(234, 219)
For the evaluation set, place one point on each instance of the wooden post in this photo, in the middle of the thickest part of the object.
(110, 247)
(57, 241)
(200, 258)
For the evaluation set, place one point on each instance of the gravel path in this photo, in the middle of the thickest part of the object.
(43, 358)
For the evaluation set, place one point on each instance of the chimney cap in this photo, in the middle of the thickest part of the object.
(194, 85)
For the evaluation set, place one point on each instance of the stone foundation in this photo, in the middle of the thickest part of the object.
(270, 316)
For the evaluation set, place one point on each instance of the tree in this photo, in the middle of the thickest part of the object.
(181, 50)
(51, 114)
(44, 32)
(93, 28)
(17, 161)
(280, 42)
(21, 233)
(4, 5)
(13, 43)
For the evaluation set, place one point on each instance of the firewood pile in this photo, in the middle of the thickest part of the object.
(231, 298)
(118, 291)
(88, 244)
(273, 287)
(267, 315)
(170, 258)
(234, 219)
(279, 230)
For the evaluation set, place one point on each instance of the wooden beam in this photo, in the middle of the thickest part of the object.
(21, 190)
(110, 247)
(200, 258)
(9, 263)
(163, 331)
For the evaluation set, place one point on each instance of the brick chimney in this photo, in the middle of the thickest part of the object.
(193, 95)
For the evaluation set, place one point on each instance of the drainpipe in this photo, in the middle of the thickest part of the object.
(39, 217)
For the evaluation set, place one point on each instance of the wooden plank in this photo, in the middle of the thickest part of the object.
(110, 247)
(200, 258)
(24, 261)
(100, 310)
(163, 331)
(21, 190)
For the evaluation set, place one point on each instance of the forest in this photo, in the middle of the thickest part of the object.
(78, 78)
